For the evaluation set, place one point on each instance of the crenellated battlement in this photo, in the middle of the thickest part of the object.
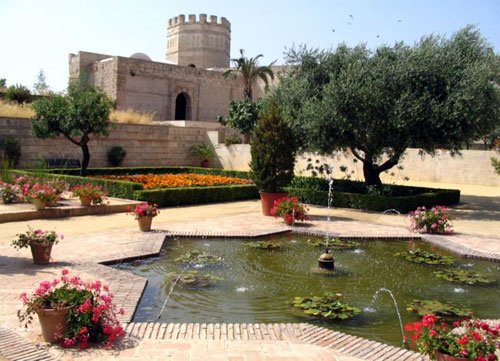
(199, 41)
(202, 19)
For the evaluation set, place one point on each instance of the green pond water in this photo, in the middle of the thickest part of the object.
(258, 286)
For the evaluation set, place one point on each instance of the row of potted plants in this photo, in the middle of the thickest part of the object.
(46, 193)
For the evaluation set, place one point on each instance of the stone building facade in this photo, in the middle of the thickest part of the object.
(188, 86)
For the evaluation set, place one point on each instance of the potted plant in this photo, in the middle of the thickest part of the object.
(73, 311)
(39, 241)
(290, 209)
(9, 193)
(40, 194)
(273, 151)
(89, 194)
(435, 220)
(144, 214)
(205, 151)
(466, 340)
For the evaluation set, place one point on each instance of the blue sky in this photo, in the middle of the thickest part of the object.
(40, 34)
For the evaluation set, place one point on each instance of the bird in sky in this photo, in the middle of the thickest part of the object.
(348, 23)
(351, 16)
(333, 30)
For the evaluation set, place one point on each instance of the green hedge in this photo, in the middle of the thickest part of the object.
(163, 196)
(197, 195)
(151, 170)
(119, 189)
(374, 202)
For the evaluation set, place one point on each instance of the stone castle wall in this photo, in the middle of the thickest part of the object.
(148, 86)
(155, 145)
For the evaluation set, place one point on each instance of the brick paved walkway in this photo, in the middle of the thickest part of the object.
(91, 241)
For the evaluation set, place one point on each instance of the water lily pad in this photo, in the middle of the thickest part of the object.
(199, 257)
(327, 306)
(265, 245)
(459, 275)
(333, 243)
(424, 257)
(434, 307)
(195, 279)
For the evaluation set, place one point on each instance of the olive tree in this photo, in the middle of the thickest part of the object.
(436, 94)
(81, 112)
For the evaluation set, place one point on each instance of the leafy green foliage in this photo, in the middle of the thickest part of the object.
(204, 150)
(116, 155)
(327, 306)
(250, 72)
(496, 164)
(273, 152)
(333, 243)
(3, 82)
(439, 93)
(10, 151)
(265, 245)
(458, 275)
(351, 194)
(232, 140)
(434, 307)
(83, 111)
(198, 257)
(170, 197)
(424, 257)
(243, 115)
(41, 87)
(18, 93)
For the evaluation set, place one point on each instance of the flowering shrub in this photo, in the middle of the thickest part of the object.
(145, 210)
(93, 316)
(435, 220)
(35, 236)
(42, 191)
(151, 181)
(89, 190)
(10, 192)
(471, 339)
(289, 206)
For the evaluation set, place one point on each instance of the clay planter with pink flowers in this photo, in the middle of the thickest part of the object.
(54, 323)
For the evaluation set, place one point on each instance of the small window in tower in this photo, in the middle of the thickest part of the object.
(192, 65)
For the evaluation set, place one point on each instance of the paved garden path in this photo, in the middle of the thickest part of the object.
(91, 240)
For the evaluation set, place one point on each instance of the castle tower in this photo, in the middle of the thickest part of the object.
(201, 44)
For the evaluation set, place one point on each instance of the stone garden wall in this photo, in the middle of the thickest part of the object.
(158, 145)
(473, 167)
(145, 144)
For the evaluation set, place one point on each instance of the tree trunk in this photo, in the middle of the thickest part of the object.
(371, 174)
(85, 160)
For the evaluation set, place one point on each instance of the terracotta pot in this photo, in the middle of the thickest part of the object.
(85, 201)
(145, 223)
(267, 201)
(245, 138)
(205, 163)
(54, 323)
(288, 218)
(41, 252)
(39, 204)
(444, 357)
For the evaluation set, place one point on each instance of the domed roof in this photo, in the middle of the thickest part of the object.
(140, 56)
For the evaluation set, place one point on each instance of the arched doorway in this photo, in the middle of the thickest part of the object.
(183, 107)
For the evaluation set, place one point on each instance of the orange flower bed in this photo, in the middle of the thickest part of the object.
(151, 181)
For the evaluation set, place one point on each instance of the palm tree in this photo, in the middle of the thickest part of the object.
(250, 71)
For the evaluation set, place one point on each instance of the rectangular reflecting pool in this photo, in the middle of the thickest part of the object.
(240, 281)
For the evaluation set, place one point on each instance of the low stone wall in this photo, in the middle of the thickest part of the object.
(157, 145)
(153, 145)
(472, 167)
